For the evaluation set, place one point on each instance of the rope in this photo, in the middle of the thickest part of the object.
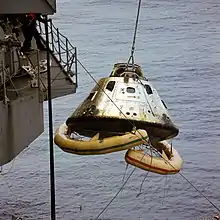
(147, 99)
(191, 184)
(135, 34)
(124, 183)
(185, 178)
(188, 181)
(125, 173)
(151, 152)
(116, 194)
(131, 57)
(215, 206)
(110, 99)
(12, 162)
(10, 79)
(17, 90)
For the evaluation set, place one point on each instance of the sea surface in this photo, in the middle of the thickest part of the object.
(178, 45)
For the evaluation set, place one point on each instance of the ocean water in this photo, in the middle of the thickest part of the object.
(178, 47)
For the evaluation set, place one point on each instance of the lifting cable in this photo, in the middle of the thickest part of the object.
(131, 58)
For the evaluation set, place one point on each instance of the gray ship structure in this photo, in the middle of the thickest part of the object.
(23, 77)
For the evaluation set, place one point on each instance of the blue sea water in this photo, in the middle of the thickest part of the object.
(178, 47)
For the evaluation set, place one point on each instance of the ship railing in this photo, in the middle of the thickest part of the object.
(61, 49)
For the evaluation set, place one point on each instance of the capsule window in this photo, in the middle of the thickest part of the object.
(110, 86)
(130, 90)
(148, 89)
(91, 96)
(164, 104)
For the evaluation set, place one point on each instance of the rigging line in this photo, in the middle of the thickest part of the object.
(151, 152)
(116, 194)
(10, 78)
(120, 189)
(146, 99)
(112, 101)
(135, 33)
(125, 172)
(215, 206)
(103, 90)
(185, 178)
(61, 78)
(188, 181)
(19, 89)
(12, 163)
(142, 185)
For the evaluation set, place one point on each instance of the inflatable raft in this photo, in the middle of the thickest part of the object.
(170, 161)
(98, 146)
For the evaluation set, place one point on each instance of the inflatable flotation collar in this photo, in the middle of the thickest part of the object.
(161, 165)
(98, 146)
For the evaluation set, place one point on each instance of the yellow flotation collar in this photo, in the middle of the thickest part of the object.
(160, 165)
(96, 146)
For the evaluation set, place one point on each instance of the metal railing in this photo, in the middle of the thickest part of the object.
(62, 50)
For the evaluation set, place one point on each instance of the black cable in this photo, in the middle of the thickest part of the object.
(185, 178)
(116, 194)
(50, 113)
(151, 152)
(215, 206)
(135, 34)
(121, 189)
